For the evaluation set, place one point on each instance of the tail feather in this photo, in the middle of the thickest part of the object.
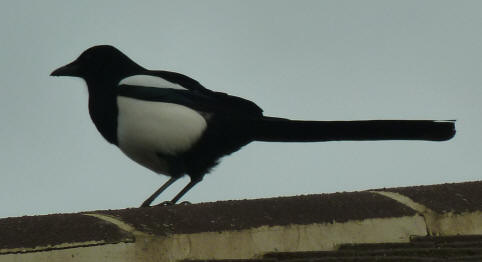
(273, 129)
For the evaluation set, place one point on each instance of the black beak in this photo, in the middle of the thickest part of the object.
(72, 69)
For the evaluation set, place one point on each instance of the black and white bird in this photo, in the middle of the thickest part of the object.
(172, 125)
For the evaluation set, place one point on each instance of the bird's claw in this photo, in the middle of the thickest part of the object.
(166, 203)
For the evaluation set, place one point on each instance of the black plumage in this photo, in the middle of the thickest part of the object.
(220, 124)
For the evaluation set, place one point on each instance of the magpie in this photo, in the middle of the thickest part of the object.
(172, 125)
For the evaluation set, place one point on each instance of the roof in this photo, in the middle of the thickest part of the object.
(448, 248)
(418, 222)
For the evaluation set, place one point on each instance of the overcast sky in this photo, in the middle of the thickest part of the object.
(316, 60)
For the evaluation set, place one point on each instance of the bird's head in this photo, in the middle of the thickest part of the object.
(99, 63)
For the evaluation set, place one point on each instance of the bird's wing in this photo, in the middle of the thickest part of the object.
(180, 79)
(223, 99)
(200, 100)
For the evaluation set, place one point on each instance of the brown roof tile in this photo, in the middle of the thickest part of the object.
(242, 214)
(33, 231)
(456, 197)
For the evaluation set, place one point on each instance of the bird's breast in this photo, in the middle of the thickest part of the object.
(148, 130)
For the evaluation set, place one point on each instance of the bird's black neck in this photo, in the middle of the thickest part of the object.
(103, 109)
(102, 86)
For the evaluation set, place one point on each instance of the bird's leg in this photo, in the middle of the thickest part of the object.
(185, 189)
(158, 192)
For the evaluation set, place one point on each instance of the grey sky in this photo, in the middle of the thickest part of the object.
(320, 60)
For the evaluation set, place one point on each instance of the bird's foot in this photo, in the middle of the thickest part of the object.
(165, 203)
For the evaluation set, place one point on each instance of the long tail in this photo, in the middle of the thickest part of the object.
(284, 130)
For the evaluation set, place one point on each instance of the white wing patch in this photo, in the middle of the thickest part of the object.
(148, 80)
(146, 129)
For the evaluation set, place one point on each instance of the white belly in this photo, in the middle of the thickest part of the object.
(148, 129)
